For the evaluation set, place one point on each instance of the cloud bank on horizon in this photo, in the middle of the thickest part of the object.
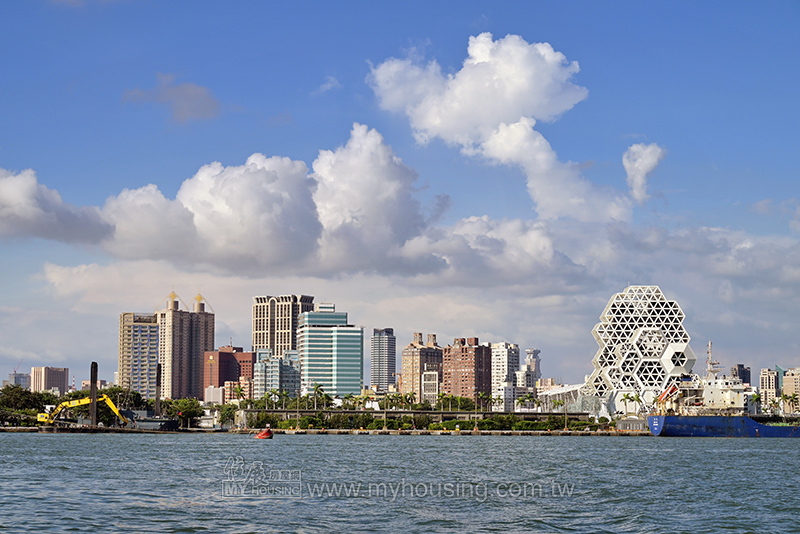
(359, 210)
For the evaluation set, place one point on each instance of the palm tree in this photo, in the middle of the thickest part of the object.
(410, 398)
(537, 403)
(756, 400)
(441, 396)
(317, 392)
(348, 401)
(626, 398)
(638, 400)
(497, 400)
(793, 398)
(558, 403)
(529, 398)
(273, 394)
(773, 404)
(784, 400)
(385, 414)
(483, 396)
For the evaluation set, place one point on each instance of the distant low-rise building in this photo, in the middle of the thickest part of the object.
(546, 384)
(238, 390)
(227, 364)
(87, 384)
(214, 395)
(504, 396)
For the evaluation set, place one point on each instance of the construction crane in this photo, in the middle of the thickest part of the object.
(17, 367)
(51, 417)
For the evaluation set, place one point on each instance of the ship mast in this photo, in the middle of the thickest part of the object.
(711, 364)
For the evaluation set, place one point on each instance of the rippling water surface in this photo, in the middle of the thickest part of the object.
(310, 484)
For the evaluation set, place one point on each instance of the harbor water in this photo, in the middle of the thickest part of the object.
(371, 483)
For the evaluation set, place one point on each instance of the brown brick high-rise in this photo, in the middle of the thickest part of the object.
(467, 368)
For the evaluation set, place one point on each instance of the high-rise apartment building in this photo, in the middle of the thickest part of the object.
(431, 384)
(505, 362)
(47, 378)
(384, 358)
(791, 386)
(533, 363)
(420, 358)
(331, 351)
(780, 372)
(741, 372)
(275, 321)
(768, 386)
(467, 368)
(183, 338)
(276, 373)
(138, 353)
(18, 379)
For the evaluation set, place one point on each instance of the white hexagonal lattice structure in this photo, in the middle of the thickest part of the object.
(643, 345)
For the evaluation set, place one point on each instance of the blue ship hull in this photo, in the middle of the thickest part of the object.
(717, 426)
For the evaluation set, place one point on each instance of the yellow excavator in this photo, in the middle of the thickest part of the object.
(51, 417)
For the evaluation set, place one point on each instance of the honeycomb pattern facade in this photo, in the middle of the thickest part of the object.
(643, 346)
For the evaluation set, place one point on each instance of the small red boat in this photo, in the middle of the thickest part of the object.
(265, 434)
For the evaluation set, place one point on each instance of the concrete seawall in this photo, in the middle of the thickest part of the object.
(455, 432)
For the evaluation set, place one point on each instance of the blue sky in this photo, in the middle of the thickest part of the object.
(412, 196)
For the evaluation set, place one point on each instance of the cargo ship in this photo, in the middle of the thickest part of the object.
(714, 407)
(718, 426)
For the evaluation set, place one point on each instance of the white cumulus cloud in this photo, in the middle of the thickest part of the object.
(639, 161)
(240, 218)
(499, 82)
(490, 108)
(366, 201)
(30, 209)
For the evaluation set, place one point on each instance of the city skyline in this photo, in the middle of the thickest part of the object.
(371, 165)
